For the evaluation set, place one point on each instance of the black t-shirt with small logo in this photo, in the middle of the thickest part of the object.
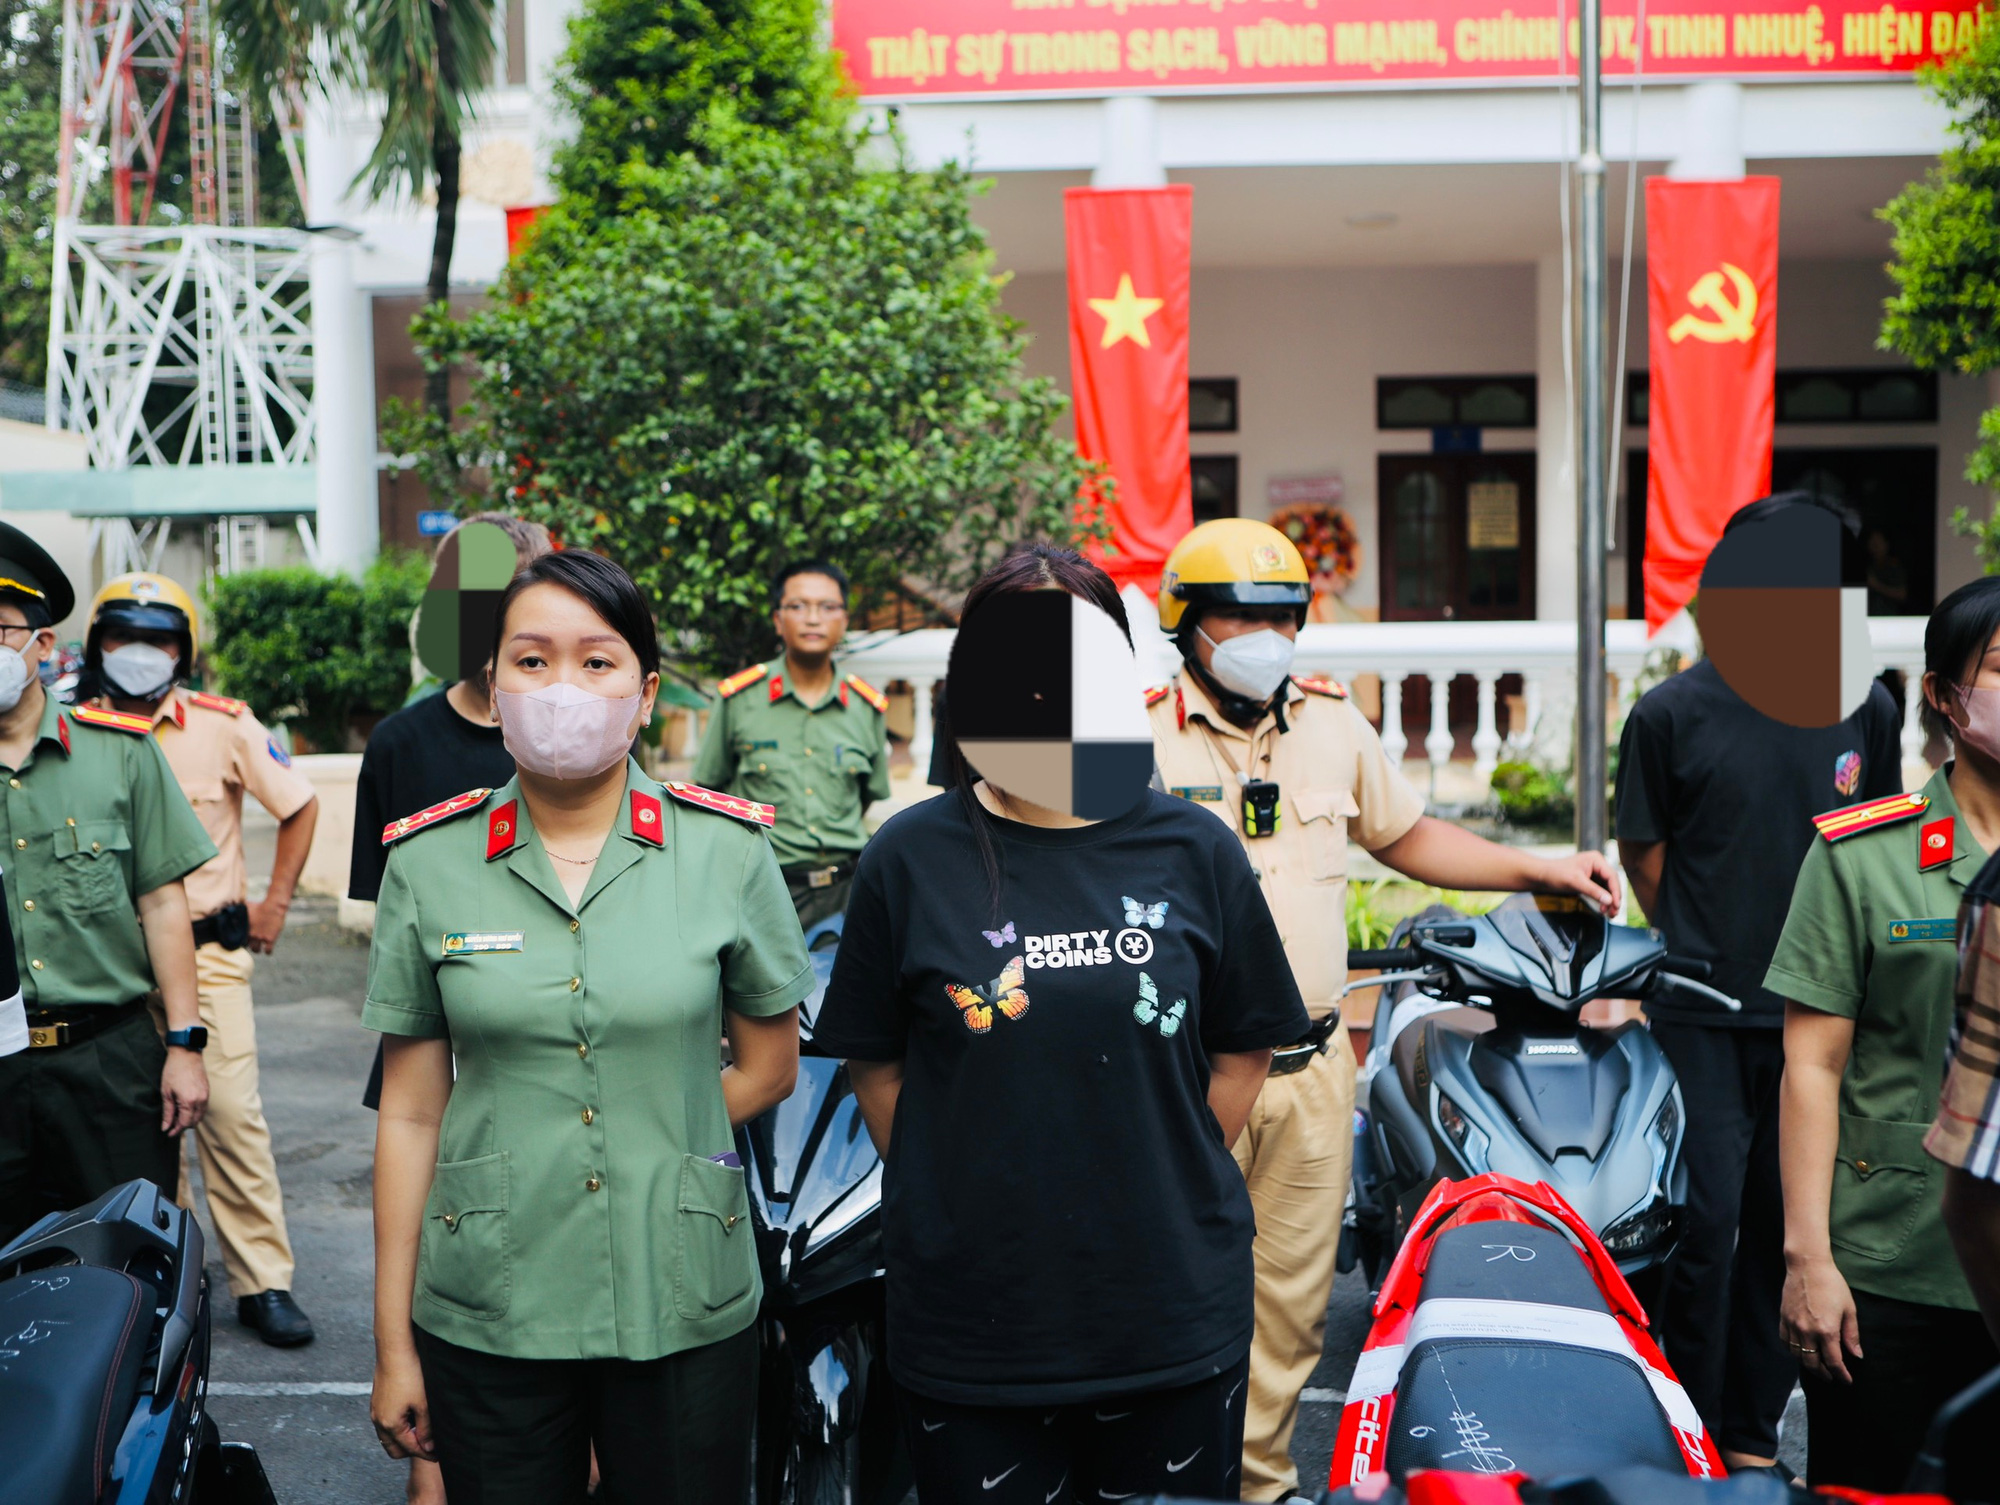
(1062, 1220)
(1732, 793)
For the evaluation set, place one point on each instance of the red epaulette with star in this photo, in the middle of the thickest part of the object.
(869, 693)
(409, 825)
(220, 703)
(1316, 684)
(1157, 694)
(120, 721)
(742, 679)
(724, 804)
(1852, 820)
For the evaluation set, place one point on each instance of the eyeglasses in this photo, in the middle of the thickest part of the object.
(7, 627)
(807, 610)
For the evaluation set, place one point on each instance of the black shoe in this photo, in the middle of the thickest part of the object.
(276, 1317)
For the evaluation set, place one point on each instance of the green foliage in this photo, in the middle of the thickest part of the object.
(426, 88)
(774, 348)
(1376, 905)
(640, 75)
(1533, 796)
(30, 129)
(311, 649)
(1945, 313)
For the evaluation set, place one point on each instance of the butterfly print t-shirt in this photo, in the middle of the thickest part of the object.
(1061, 1218)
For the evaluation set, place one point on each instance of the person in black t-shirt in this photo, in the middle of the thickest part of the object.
(1714, 809)
(1066, 1235)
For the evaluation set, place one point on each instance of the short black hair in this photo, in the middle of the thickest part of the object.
(1955, 636)
(601, 585)
(824, 567)
(1766, 506)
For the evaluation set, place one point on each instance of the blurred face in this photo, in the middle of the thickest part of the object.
(1982, 672)
(553, 637)
(1220, 624)
(33, 643)
(811, 617)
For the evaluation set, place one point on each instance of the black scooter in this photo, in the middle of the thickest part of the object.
(104, 1319)
(826, 1428)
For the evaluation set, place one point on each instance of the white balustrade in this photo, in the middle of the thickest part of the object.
(1439, 651)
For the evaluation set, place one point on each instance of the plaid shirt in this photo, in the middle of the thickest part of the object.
(1966, 1133)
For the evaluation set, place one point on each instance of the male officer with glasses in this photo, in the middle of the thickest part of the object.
(95, 838)
(794, 734)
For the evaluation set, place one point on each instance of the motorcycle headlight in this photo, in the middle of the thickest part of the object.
(1640, 1232)
(1466, 1136)
(1667, 1123)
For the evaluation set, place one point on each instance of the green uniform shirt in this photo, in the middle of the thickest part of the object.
(1870, 938)
(576, 1211)
(92, 819)
(820, 764)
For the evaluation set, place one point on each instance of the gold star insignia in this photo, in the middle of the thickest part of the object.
(1125, 316)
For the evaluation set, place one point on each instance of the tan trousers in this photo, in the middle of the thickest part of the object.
(237, 1166)
(1295, 1155)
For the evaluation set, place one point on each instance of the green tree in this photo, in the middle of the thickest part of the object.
(1945, 313)
(785, 340)
(311, 650)
(30, 129)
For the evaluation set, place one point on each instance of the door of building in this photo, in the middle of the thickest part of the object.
(1893, 489)
(1457, 536)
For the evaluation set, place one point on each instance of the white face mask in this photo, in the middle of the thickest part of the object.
(15, 672)
(140, 670)
(1254, 664)
(562, 731)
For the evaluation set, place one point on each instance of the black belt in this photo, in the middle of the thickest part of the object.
(51, 1028)
(819, 875)
(228, 927)
(1299, 1054)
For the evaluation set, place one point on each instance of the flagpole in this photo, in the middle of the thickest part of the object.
(1590, 675)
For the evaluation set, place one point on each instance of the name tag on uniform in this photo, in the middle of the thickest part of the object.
(1207, 793)
(459, 942)
(1923, 930)
(757, 746)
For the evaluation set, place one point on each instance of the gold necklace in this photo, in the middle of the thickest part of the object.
(577, 861)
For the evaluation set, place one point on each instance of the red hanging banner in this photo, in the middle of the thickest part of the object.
(1712, 303)
(1129, 258)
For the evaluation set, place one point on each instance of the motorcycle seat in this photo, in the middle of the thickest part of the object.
(1549, 1388)
(73, 1340)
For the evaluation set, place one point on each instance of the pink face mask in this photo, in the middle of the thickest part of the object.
(1982, 720)
(564, 732)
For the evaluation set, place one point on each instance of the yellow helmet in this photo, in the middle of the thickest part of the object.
(1232, 561)
(145, 603)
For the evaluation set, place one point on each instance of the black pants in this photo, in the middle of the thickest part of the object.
(672, 1431)
(1718, 1316)
(1865, 1435)
(79, 1119)
(1183, 1442)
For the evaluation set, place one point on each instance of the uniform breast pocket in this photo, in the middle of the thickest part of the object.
(90, 866)
(1882, 1181)
(1323, 815)
(716, 1265)
(465, 1257)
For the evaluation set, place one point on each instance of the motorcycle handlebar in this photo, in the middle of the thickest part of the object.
(1391, 959)
(1687, 966)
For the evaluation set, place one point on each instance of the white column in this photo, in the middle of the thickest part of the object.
(923, 730)
(349, 522)
(1555, 451)
(1394, 742)
(1711, 143)
(1486, 739)
(1128, 154)
(1438, 741)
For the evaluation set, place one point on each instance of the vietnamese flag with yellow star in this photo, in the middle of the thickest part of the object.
(1712, 342)
(1129, 256)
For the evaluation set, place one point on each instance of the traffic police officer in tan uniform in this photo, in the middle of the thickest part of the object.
(95, 838)
(144, 635)
(1295, 770)
(795, 734)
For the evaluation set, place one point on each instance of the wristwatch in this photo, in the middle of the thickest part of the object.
(194, 1038)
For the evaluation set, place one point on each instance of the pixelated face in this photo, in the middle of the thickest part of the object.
(1783, 613)
(1045, 701)
(455, 630)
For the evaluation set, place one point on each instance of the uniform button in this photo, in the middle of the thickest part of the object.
(1862, 1166)
(572, 927)
(70, 821)
(760, 768)
(27, 903)
(592, 1184)
(36, 964)
(96, 847)
(589, 1115)
(582, 1050)
(20, 843)
(809, 752)
(13, 783)
(808, 791)
(575, 983)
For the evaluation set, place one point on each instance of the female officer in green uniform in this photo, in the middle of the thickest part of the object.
(563, 1256)
(1867, 965)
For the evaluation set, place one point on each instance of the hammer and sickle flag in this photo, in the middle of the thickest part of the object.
(1712, 301)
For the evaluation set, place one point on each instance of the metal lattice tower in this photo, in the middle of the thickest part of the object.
(169, 343)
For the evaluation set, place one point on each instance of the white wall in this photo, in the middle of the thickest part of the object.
(29, 446)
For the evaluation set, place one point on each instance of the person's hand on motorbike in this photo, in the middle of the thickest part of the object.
(1816, 1316)
(1591, 876)
(183, 1091)
(400, 1408)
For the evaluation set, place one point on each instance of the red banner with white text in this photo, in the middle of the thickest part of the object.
(1712, 341)
(1130, 251)
(926, 48)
